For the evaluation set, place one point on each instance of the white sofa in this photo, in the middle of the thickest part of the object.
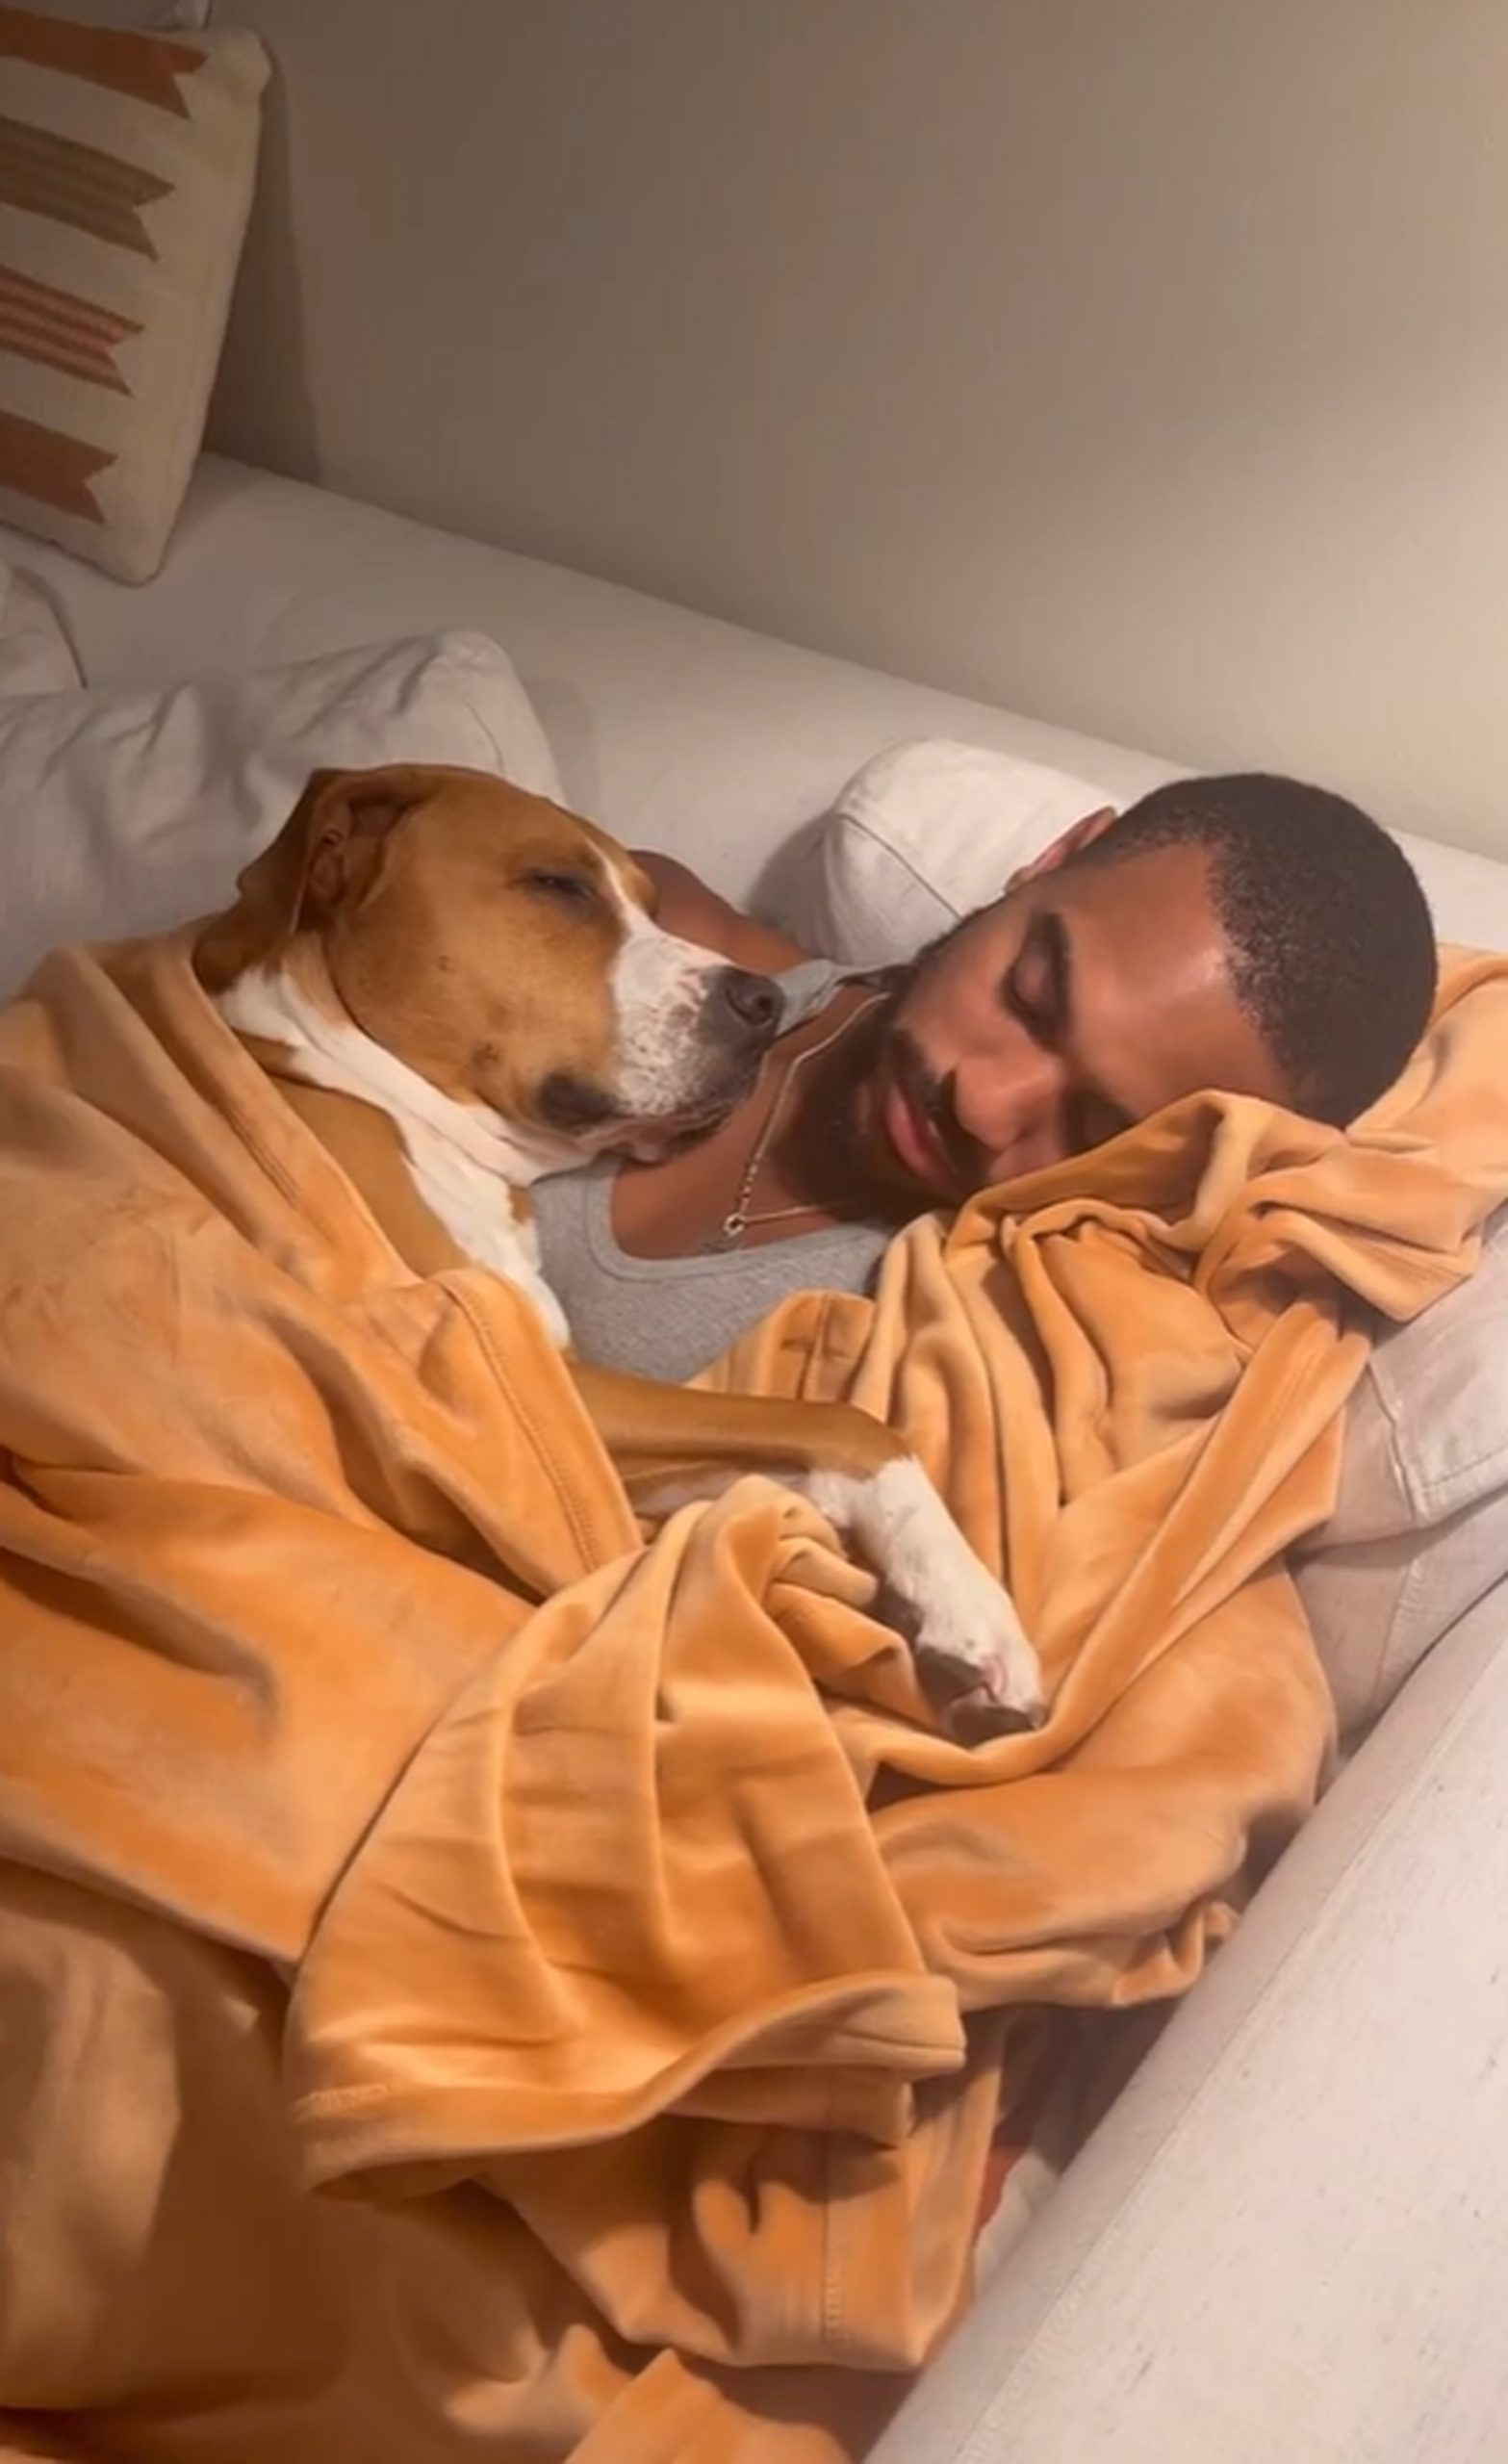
(1288, 2237)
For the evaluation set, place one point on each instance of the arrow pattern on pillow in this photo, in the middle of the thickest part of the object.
(67, 182)
(145, 66)
(56, 470)
(57, 330)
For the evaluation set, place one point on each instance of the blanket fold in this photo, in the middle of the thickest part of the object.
(489, 1985)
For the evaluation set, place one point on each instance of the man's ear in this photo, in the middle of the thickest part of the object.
(325, 858)
(1071, 842)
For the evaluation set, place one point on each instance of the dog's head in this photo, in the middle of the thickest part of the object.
(504, 950)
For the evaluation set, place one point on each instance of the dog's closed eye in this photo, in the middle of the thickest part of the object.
(570, 889)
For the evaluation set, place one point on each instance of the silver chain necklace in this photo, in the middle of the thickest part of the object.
(738, 1220)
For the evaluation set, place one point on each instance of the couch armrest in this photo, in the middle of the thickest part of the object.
(1290, 2238)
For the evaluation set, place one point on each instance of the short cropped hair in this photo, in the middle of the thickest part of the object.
(1332, 949)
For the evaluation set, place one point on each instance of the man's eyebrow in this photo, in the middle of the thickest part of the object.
(1062, 959)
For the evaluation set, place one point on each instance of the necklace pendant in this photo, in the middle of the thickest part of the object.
(735, 1223)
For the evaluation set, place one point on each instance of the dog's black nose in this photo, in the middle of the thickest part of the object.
(755, 1000)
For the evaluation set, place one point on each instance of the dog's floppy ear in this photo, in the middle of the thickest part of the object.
(325, 858)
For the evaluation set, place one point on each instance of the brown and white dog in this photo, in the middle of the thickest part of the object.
(462, 987)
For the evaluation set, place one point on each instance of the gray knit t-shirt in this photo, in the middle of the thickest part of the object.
(668, 1317)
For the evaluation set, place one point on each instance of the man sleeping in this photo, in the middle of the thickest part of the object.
(1248, 933)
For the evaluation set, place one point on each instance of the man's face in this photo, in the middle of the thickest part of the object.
(1085, 999)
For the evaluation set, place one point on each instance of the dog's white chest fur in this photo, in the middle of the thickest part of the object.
(465, 1161)
(480, 1216)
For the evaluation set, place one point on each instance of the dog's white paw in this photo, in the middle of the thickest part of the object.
(969, 1643)
(974, 1654)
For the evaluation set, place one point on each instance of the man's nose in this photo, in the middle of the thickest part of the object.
(1003, 1101)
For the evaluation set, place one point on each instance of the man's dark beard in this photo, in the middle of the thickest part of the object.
(845, 1155)
(825, 1142)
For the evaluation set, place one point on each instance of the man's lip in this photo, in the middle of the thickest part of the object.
(914, 1139)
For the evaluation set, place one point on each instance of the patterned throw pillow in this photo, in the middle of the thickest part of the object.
(126, 167)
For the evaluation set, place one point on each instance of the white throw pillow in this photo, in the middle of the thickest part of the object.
(923, 835)
(34, 653)
(928, 831)
(1420, 1526)
(128, 812)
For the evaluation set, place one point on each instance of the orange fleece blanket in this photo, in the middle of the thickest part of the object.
(475, 1985)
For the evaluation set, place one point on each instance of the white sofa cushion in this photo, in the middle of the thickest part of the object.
(674, 731)
(1420, 1527)
(128, 812)
(928, 831)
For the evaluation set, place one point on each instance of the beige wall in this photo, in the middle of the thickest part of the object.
(1141, 364)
